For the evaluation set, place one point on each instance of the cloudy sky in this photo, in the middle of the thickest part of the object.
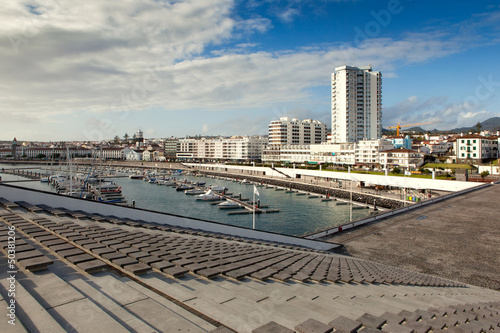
(94, 69)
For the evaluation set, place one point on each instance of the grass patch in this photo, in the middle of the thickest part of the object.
(448, 166)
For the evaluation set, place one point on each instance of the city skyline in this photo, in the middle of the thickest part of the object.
(95, 70)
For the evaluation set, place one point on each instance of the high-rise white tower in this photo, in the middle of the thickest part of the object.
(356, 104)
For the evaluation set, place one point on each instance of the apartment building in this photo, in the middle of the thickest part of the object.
(356, 104)
(236, 148)
(405, 158)
(476, 148)
(291, 131)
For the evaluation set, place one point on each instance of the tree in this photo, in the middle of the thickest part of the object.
(396, 170)
(125, 138)
(478, 127)
(116, 139)
(485, 174)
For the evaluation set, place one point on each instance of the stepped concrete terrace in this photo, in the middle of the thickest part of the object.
(457, 238)
(113, 274)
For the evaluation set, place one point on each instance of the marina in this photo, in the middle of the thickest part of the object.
(293, 213)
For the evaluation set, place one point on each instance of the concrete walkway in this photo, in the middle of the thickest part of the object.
(458, 238)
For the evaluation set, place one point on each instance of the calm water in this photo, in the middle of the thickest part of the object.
(298, 215)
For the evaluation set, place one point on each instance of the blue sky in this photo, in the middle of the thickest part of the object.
(93, 70)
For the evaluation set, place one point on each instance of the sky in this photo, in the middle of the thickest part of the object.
(94, 69)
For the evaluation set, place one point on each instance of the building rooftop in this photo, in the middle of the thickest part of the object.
(82, 271)
(456, 238)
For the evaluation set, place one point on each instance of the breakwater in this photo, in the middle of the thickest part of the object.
(35, 175)
(332, 192)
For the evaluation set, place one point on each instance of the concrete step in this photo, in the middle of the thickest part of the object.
(71, 309)
(92, 287)
(30, 314)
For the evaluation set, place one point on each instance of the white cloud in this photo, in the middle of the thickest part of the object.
(64, 57)
(443, 114)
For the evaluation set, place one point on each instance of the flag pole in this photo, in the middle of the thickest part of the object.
(253, 206)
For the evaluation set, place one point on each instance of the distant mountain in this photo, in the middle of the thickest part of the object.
(491, 124)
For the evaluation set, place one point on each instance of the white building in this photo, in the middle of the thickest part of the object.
(336, 153)
(368, 151)
(5, 152)
(475, 148)
(293, 131)
(112, 153)
(404, 158)
(134, 155)
(356, 104)
(50, 153)
(236, 148)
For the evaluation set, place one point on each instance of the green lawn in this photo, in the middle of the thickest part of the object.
(447, 166)
(391, 174)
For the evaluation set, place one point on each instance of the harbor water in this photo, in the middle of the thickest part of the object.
(299, 214)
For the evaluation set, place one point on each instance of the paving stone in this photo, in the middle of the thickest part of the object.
(28, 255)
(24, 248)
(80, 258)
(122, 262)
(369, 330)
(113, 255)
(371, 320)
(149, 260)
(57, 246)
(119, 246)
(195, 267)
(160, 265)
(182, 262)
(50, 237)
(92, 246)
(175, 271)
(109, 242)
(139, 254)
(129, 250)
(272, 327)
(102, 250)
(264, 274)
(36, 264)
(92, 266)
(313, 326)
(70, 252)
(392, 318)
(137, 269)
(282, 276)
(396, 328)
(40, 234)
(85, 241)
(345, 324)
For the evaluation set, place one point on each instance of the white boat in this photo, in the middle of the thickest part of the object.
(217, 188)
(246, 182)
(209, 196)
(228, 205)
(44, 179)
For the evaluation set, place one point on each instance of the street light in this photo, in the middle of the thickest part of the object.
(350, 205)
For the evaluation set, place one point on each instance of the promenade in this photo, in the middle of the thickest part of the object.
(457, 238)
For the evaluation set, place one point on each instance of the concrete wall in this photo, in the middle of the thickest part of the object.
(409, 182)
(416, 183)
(35, 197)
